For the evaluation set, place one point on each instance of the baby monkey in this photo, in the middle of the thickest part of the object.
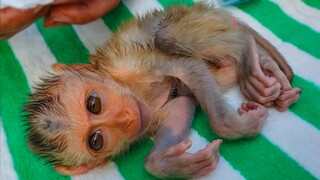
(146, 81)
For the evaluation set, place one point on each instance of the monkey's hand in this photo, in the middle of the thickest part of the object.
(250, 122)
(255, 115)
(288, 95)
(259, 87)
(254, 83)
(176, 162)
(266, 84)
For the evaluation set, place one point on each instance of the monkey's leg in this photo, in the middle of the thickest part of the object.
(224, 120)
(262, 80)
(268, 48)
(288, 94)
(169, 157)
(254, 84)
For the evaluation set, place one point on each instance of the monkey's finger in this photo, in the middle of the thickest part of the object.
(79, 12)
(265, 80)
(195, 167)
(248, 106)
(269, 94)
(256, 106)
(282, 79)
(207, 152)
(179, 148)
(272, 67)
(289, 93)
(282, 105)
(241, 111)
(259, 84)
(206, 169)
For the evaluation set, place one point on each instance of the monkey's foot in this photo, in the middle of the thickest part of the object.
(287, 98)
(254, 115)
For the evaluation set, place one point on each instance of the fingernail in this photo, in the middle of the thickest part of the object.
(300, 91)
(220, 141)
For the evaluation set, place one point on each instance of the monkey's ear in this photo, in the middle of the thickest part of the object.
(67, 67)
(76, 170)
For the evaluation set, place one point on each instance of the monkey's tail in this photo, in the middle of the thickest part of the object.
(271, 50)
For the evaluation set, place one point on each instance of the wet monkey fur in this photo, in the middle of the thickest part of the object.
(146, 81)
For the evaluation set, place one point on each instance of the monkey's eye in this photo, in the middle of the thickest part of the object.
(94, 103)
(96, 141)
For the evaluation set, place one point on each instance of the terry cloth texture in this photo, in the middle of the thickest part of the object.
(288, 147)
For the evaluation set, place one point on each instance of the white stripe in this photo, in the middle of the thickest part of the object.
(223, 170)
(296, 137)
(31, 50)
(213, 3)
(139, 8)
(295, 57)
(300, 140)
(109, 171)
(301, 12)
(92, 34)
(6, 165)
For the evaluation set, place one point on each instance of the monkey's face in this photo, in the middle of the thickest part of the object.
(78, 119)
(104, 116)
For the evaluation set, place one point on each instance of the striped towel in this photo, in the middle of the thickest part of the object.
(288, 147)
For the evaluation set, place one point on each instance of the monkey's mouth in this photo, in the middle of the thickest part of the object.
(144, 116)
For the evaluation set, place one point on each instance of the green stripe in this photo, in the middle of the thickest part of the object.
(166, 3)
(307, 107)
(14, 89)
(255, 158)
(64, 43)
(312, 3)
(116, 17)
(284, 26)
(131, 164)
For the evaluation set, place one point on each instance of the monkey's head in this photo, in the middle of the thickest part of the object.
(77, 119)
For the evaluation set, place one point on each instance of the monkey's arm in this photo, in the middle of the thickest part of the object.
(169, 157)
(255, 83)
